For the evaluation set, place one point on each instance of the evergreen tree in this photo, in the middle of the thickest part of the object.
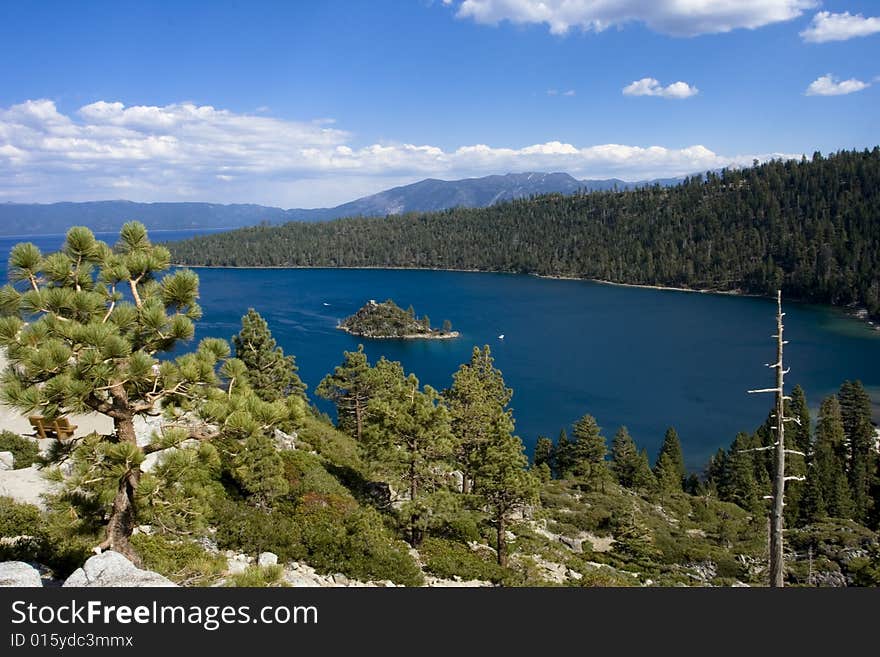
(588, 450)
(271, 374)
(85, 349)
(802, 431)
(829, 461)
(350, 388)
(855, 412)
(669, 468)
(410, 429)
(504, 483)
(544, 452)
(562, 452)
(259, 469)
(625, 459)
(738, 483)
(478, 405)
(812, 503)
(644, 478)
(632, 538)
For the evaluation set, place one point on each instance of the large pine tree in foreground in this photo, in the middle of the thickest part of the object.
(77, 344)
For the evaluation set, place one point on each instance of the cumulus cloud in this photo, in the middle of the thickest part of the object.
(674, 17)
(198, 152)
(826, 26)
(652, 87)
(828, 85)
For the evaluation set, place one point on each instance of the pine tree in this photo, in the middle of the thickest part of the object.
(798, 438)
(86, 349)
(478, 405)
(830, 453)
(410, 429)
(588, 450)
(544, 452)
(738, 483)
(669, 468)
(562, 452)
(272, 375)
(625, 459)
(259, 470)
(799, 409)
(504, 483)
(855, 411)
(350, 388)
(644, 478)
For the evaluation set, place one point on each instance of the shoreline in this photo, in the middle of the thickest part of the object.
(856, 313)
(409, 336)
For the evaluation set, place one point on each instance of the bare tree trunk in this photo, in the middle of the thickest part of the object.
(123, 514)
(359, 420)
(777, 566)
(415, 534)
(501, 541)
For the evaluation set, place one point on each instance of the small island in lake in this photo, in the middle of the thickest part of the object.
(388, 320)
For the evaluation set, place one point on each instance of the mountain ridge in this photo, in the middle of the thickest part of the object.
(430, 194)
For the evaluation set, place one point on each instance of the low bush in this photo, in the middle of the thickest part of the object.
(447, 559)
(182, 561)
(25, 451)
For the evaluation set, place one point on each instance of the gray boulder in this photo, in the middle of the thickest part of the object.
(112, 569)
(19, 574)
(267, 559)
(285, 441)
(7, 461)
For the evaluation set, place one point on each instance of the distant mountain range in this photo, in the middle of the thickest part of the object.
(424, 196)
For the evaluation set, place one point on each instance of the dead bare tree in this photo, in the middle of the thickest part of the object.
(777, 520)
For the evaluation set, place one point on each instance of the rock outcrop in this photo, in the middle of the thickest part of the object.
(19, 574)
(112, 569)
(26, 485)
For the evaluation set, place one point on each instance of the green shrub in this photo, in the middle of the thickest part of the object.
(305, 474)
(341, 537)
(184, 562)
(448, 559)
(25, 451)
(251, 530)
(333, 445)
(329, 532)
(20, 520)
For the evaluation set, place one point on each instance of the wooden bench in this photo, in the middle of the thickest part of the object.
(59, 428)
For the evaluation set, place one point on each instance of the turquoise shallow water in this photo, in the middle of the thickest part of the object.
(641, 357)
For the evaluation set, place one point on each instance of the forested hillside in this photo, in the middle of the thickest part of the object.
(809, 226)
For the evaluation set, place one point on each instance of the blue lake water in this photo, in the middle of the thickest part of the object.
(640, 357)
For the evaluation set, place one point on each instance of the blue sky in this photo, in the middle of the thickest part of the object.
(304, 104)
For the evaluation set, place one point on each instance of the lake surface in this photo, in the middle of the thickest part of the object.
(645, 358)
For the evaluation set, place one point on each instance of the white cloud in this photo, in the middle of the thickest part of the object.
(652, 87)
(555, 92)
(674, 17)
(191, 152)
(828, 85)
(570, 92)
(826, 26)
